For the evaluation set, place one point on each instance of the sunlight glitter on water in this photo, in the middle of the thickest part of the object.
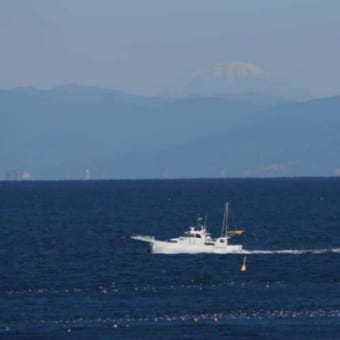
(149, 319)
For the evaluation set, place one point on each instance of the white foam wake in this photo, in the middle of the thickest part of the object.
(291, 251)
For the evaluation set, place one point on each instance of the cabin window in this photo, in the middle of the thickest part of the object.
(221, 240)
(198, 236)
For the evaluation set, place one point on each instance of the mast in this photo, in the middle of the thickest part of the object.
(225, 220)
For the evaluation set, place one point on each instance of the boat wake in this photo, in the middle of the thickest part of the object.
(290, 251)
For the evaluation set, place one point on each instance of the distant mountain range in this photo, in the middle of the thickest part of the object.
(73, 131)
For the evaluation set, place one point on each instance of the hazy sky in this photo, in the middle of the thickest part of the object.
(153, 46)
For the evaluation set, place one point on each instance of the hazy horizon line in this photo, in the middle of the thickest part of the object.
(165, 95)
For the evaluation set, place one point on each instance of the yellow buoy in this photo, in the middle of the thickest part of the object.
(244, 267)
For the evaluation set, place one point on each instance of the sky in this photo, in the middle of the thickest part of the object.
(153, 47)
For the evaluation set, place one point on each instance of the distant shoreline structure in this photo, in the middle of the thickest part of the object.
(172, 179)
(18, 175)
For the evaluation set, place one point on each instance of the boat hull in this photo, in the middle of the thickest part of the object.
(164, 247)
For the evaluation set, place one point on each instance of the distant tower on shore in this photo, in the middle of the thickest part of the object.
(68, 174)
(165, 173)
(87, 174)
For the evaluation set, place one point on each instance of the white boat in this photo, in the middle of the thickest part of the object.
(196, 240)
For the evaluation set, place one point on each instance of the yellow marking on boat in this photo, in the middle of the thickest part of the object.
(236, 232)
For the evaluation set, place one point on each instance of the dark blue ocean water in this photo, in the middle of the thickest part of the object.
(70, 270)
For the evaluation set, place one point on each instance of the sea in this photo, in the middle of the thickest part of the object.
(69, 269)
